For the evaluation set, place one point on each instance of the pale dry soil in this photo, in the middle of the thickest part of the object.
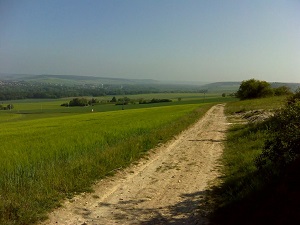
(169, 186)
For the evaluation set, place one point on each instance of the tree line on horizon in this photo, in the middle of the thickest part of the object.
(114, 100)
(23, 90)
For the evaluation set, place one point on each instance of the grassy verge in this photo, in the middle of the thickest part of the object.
(245, 195)
(244, 143)
(262, 103)
(58, 157)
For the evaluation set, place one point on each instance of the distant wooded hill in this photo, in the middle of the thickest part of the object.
(20, 86)
(74, 79)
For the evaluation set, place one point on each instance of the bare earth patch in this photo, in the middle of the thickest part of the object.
(169, 187)
(252, 116)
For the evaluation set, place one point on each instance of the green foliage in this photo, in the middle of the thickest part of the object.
(154, 100)
(8, 107)
(113, 99)
(282, 146)
(292, 99)
(124, 101)
(224, 95)
(282, 90)
(65, 104)
(252, 88)
(93, 101)
(78, 102)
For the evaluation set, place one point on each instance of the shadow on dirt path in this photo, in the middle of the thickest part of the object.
(188, 211)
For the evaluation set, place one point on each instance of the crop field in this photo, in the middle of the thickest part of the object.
(40, 108)
(47, 154)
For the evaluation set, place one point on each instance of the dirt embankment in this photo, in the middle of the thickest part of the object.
(167, 188)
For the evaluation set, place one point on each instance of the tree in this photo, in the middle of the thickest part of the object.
(223, 95)
(93, 101)
(282, 90)
(123, 101)
(113, 99)
(254, 89)
(79, 102)
(9, 106)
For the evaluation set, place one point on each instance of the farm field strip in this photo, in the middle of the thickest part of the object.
(86, 127)
(44, 108)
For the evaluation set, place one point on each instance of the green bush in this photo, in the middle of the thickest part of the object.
(282, 146)
(282, 90)
(252, 88)
(294, 98)
(78, 102)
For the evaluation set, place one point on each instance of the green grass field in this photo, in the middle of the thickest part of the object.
(48, 153)
(41, 108)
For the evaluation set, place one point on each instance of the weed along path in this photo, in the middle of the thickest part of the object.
(166, 188)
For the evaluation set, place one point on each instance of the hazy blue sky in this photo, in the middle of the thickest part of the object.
(212, 40)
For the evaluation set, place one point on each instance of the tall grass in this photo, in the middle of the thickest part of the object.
(6, 116)
(243, 187)
(45, 160)
(244, 143)
(254, 104)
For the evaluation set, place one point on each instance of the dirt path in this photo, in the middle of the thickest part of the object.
(167, 188)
